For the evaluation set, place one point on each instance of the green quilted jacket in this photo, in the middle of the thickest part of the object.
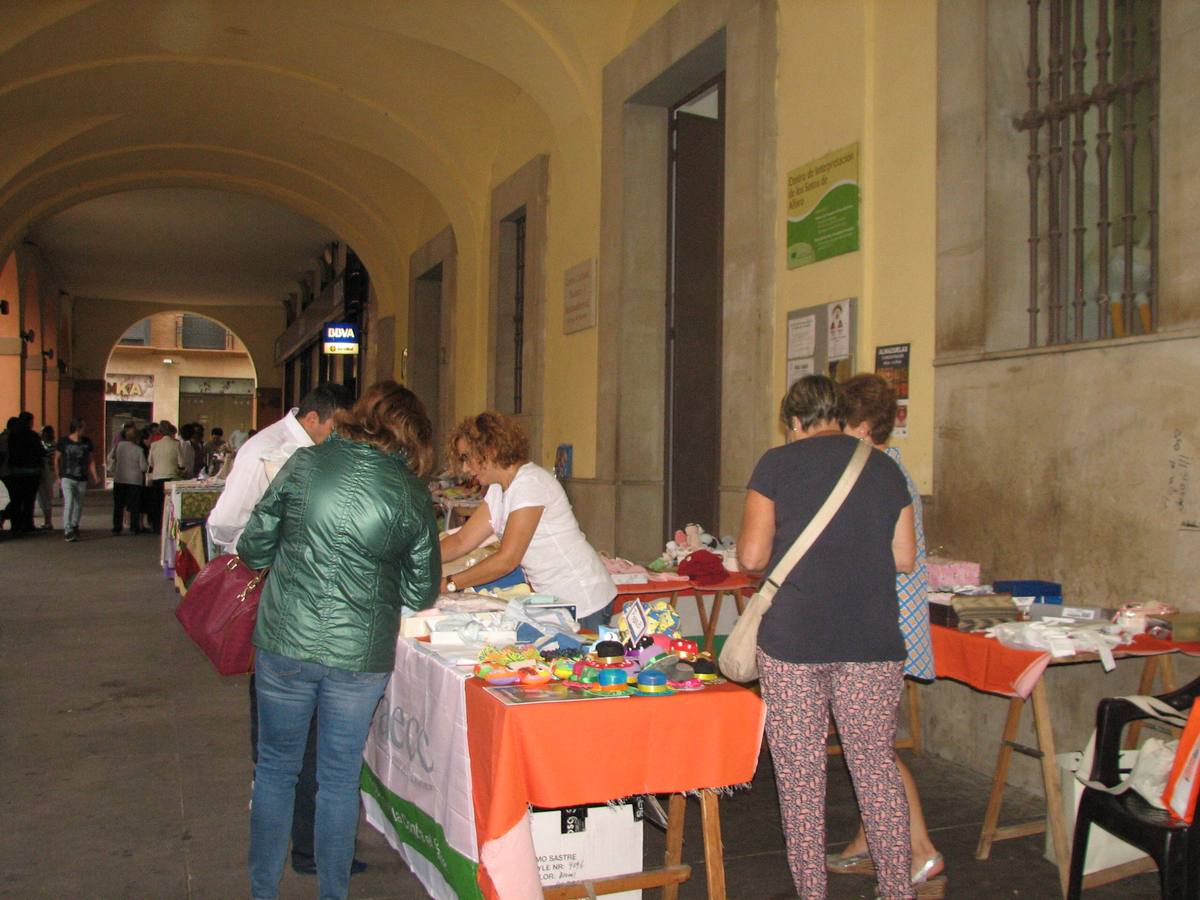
(349, 534)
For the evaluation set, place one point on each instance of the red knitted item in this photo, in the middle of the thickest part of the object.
(703, 567)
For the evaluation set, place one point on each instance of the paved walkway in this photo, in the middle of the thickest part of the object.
(125, 771)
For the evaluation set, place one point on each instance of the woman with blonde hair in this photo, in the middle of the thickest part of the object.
(528, 509)
(347, 529)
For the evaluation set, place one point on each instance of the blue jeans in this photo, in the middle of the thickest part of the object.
(288, 692)
(73, 492)
(593, 621)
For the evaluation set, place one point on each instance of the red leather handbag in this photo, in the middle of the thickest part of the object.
(219, 610)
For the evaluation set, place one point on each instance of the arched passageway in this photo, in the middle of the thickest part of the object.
(184, 368)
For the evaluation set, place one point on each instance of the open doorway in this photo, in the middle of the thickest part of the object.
(694, 313)
(427, 348)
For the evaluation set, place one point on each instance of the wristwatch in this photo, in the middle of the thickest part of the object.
(451, 587)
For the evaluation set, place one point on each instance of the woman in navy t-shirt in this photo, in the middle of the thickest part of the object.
(832, 637)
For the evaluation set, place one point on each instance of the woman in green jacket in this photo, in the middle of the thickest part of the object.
(347, 528)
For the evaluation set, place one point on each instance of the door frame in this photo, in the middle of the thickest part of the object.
(441, 250)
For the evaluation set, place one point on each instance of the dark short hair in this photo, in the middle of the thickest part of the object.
(26, 418)
(13, 422)
(390, 418)
(75, 425)
(47, 433)
(868, 398)
(186, 431)
(218, 432)
(325, 400)
(812, 399)
(490, 437)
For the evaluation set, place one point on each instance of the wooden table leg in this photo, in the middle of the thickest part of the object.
(710, 627)
(1054, 805)
(1167, 664)
(714, 850)
(676, 806)
(992, 816)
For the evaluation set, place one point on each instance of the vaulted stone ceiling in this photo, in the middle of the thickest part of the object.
(365, 118)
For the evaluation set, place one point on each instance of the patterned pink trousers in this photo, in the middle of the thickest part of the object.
(865, 698)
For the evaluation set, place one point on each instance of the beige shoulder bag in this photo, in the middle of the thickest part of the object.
(738, 661)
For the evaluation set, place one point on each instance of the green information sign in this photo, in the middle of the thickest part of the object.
(822, 208)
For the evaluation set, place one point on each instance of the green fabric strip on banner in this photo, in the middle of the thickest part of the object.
(419, 830)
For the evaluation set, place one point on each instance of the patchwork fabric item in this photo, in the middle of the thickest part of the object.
(910, 592)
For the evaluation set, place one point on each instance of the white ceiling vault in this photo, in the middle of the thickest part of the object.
(181, 246)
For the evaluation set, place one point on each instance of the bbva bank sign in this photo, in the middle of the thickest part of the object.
(341, 339)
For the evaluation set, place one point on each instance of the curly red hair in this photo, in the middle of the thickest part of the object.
(490, 437)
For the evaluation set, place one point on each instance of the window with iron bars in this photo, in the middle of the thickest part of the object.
(1092, 124)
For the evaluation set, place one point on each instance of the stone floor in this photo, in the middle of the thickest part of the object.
(124, 759)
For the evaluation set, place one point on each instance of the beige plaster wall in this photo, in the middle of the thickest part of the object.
(866, 72)
(1072, 463)
(98, 325)
(185, 364)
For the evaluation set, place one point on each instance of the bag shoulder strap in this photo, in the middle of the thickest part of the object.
(1154, 708)
(816, 526)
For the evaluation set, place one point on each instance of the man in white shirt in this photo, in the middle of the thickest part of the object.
(260, 457)
(256, 463)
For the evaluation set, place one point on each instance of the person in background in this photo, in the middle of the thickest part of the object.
(260, 457)
(832, 636)
(527, 508)
(46, 486)
(143, 439)
(214, 446)
(155, 433)
(25, 453)
(127, 463)
(74, 466)
(187, 451)
(869, 410)
(330, 615)
(166, 464)
(237, 439)
(197, 450)
(10, 508)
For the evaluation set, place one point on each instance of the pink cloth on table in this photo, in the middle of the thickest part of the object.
(950, 572)
(619, 566)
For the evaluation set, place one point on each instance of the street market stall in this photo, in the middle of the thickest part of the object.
(183, 544)
(451, 770)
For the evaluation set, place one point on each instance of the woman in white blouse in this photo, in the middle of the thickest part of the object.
(528, 510)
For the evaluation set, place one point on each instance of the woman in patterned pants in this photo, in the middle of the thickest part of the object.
(831, 639)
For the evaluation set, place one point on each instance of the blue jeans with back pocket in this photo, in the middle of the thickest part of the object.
(289, 690)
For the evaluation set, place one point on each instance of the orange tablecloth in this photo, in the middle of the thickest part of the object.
(987, 665)
(566, 754)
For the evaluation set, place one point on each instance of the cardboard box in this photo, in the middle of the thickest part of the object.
(589, 842)
(1104, 850)
(973, 612)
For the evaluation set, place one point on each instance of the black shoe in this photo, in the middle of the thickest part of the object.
(306, 865)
